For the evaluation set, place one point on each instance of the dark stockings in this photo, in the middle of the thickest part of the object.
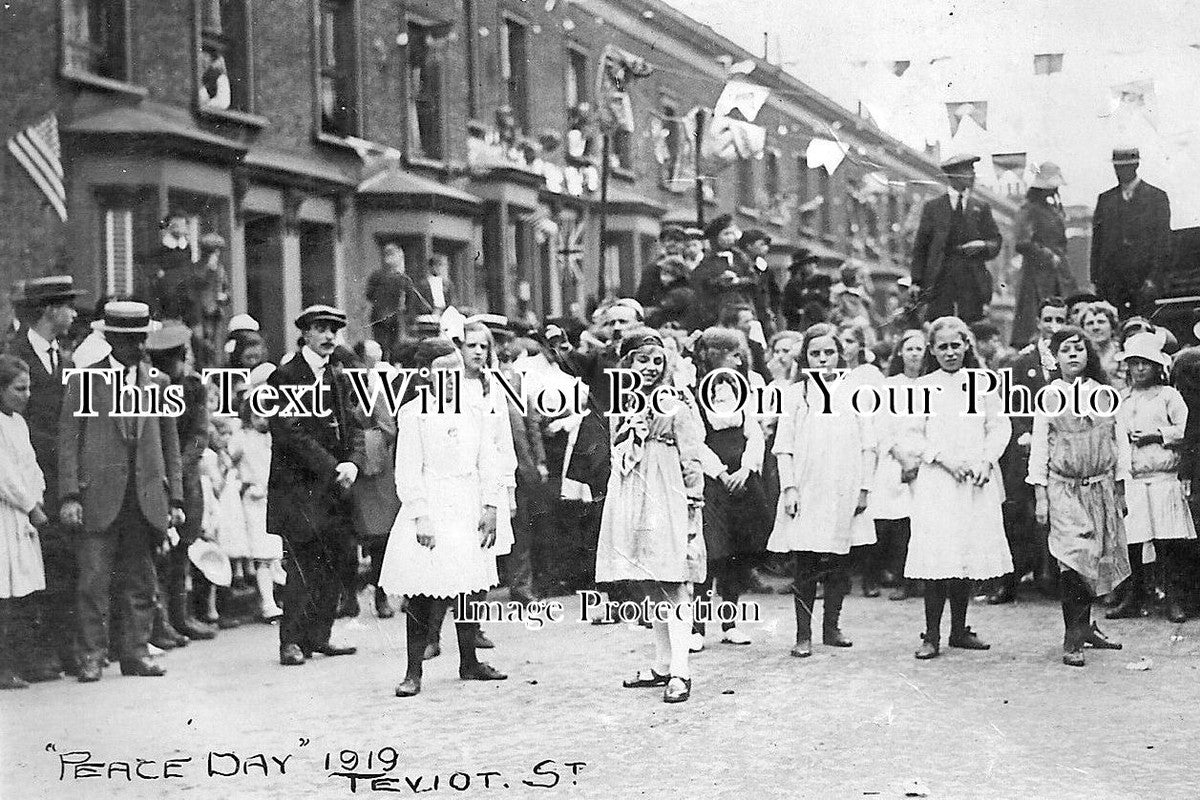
(420, 614)
(958, 592)
(812, 568)
(730, 576)
(1077, 609)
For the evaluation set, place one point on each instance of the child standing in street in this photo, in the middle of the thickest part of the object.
(826, 468)
(253, 469)
(1155, 416)
(1078, 466)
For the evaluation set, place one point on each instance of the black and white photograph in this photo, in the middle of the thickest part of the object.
(600, 399)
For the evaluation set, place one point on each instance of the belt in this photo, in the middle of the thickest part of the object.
(668, 439)
(1090, 481)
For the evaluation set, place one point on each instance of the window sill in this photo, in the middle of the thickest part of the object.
(106, 84)
(334, 141)
(439, 165)
(246, 120)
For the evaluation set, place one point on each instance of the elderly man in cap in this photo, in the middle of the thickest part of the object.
(1131, 238)
(955, 239)
(314, 463)
(47, 309)
(120, 487)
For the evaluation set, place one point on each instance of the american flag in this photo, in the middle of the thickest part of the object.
(38, 150)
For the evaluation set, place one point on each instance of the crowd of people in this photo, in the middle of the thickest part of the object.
(123, 536)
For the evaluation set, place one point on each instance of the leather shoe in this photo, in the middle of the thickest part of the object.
(290, 655)
(967, 640)
(1073, 658)
(1175, 612)
(1001, 596)
(141, 668)
(834, 637)
(409, 687)
(163, 643)
(929, 649)
(90, 669)
(330, 649)
(41, 673)
(678, 690)
(1099, 640)
(195, 629)
(481, 672)
(802, 649)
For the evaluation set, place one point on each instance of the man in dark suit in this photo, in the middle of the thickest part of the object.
(955, 239)
(48, 308)
(389, 291)
(1033, 367)
(434, 291)
(314, 462)
(119, 480)
(1131, 238)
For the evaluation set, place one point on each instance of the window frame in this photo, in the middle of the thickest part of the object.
(355, 81)
(70, 71)
(414, 151)
(244, 115)
(522, 116)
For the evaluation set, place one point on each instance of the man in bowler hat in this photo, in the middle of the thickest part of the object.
(1131, 238)
(955, 239)
(314, 462)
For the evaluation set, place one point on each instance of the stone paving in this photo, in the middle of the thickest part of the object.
(868, 721)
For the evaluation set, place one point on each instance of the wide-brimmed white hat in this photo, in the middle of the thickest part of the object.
(1047, 175)
(211, 561)
(1147, 346)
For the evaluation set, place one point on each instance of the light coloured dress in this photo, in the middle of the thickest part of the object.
(506, 454)
(832, 460)
(957, 528)
(446, 470)
(1078, 460)
(233, 538)
(647, 532)
(1157, 507)
(891, 498)
(253, 469)
(21, 488)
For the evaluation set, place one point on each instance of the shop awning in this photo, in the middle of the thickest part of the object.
(400, 189)
(290, 167)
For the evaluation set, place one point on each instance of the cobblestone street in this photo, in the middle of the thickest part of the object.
(864, 722)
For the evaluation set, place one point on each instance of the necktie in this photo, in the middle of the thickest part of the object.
(53, 352)
(958, 207)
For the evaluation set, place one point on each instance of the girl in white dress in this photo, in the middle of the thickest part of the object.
(1156, 417)
(253, 442)
(826, 468)
(957, 529)
(865, 552)
(891, 500)
(450, 487)
(21, 513)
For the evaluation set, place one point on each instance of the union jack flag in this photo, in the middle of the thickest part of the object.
(38, 151)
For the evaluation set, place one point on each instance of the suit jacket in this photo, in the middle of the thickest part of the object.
(1130, 241)
(929, 256)
(42, 412)
(719, 279)
(303, 500)
(93, 456)
(423, 302)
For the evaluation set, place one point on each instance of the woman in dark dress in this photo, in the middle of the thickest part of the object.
(1042, 242)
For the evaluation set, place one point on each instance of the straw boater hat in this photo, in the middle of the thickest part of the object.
(1147, 346)
(243, 322)
(1047, 175)
(126, 316)
(170, 336)
(51, 289)
(321, 313)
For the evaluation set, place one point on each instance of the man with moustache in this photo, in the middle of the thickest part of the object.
(314, 463)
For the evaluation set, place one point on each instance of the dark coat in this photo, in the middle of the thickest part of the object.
(932, 249)
(375, 500)
(388, 293)
(46, 392)
(1041, 233)
(1014, 463)
(303, 501)
(93, 460)
(719, 279)
(1131, 243)
(422, 301)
